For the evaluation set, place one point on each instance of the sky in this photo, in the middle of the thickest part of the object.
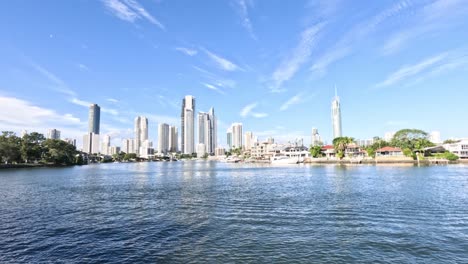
(269, 64)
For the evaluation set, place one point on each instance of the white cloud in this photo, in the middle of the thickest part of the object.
(212, 87)
(244, 15)
(359, 32)
(299, 56)
(130, 11)
(83, 67)
(221, 62)
(408, 71)
(59, 85)
(296, 99)
(187, 51)
(247, 111)
(25, 115)
(112, 100)
(434, 18)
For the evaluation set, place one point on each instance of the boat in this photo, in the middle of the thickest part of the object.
(282, 159)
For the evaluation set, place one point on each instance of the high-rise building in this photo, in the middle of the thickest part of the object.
(248, 142)
(53, 134)
(207, 130)
(201, 150)
(94, 118)
(128, 145)
(316, 139)
(173, 139)
(163, 138)
(389, 136)
(336, 116)
(188, 125)
(237, 135)
(70, 141)
(141, 133)
(229, 138)
(91, 143)
(435, 138)
(105, 146)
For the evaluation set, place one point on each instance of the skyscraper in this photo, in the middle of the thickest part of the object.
(207, 130)
(141, 133)
(316, 139)
(53, 134)
(188, 125)
(229, 138)
(94, 118)
(163, 138)
(106, 143)
(336, 116)
(248, 143)
(173, 139)
(237, 135)
(128, 145)
(91, 140)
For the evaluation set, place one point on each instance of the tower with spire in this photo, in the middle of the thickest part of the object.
(336, 115)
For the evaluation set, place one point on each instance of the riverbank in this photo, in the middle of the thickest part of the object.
(31, 165)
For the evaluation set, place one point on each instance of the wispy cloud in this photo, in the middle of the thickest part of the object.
(345, 45)
(434, 18)
(112, 100)
(187, 51)
(248, 111)
(301, 53)
(296, 99)
(212, 87)
(59, 85)
(216, 80)
(130, 11)
(243, 10)
(408, 71)
(83, 67)
(221, 62)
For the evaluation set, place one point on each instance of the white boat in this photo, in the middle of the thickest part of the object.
(277, 160)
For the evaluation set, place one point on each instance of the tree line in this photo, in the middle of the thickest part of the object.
(410, 141)
(35, 148)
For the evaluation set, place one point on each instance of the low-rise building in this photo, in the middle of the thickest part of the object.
(389, 152)
(459, 148)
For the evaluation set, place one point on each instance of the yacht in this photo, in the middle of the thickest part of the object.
(282, 159)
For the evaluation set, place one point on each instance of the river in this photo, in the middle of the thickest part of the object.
(212, 212)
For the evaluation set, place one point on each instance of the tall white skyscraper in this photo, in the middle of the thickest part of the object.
(434, 137)
(336, 116)
(91, 143)
(207, 130)
(237, 135)
(141, 133)
(163, 138)
(173, 139)
(248, 142)
(105, 146)
(53, 134)
(188, 125)
(128, 145)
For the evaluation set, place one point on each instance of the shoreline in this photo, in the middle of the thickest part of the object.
(26, 166)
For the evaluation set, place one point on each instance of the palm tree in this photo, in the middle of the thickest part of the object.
(340, 144)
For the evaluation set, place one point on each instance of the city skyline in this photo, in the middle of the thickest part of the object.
(398, 64)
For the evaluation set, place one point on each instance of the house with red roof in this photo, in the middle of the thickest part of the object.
(389, 152)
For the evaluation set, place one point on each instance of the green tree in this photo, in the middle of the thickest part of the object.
(59, 152)
(129, 156)
(31, 147)
(340, 144)
(10, 147)
(451, 141)
(316, 151)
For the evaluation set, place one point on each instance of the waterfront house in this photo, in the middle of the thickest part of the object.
(389, 152)
(459, 148)
(329, 151)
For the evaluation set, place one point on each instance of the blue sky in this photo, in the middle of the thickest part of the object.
(269, 64)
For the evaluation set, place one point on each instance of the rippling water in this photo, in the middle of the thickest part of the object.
(189, 212)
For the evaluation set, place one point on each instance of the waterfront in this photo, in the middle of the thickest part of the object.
(197, 211)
